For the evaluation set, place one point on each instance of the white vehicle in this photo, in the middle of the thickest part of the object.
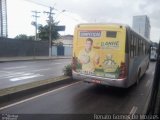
(153, 55)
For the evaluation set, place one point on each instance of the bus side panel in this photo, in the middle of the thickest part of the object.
(138, 64)
(139, 61)
(133, 69)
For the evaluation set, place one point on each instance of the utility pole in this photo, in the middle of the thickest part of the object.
(50, 29)
(35, 22)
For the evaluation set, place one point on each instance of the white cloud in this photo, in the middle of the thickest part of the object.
(78, 11)
(20, 17)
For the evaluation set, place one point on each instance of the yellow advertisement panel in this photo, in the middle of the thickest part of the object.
(99, 52)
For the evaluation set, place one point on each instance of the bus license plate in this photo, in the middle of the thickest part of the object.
(96, 81)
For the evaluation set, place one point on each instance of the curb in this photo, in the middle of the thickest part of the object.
(27, 86)
(32, 59)
(11, 93)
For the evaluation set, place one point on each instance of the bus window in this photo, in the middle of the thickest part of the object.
(131, 46)
(135, 46)
(111, 34)
(139, 47)
(144, 47)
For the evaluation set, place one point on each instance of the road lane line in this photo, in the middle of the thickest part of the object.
(133, 110)
(5, 71)
(148, 82)
(153, 73)
(17, 75)
(60, 63)
(31, 70)
(15, 67)
(25, 77)
(11, 74)
(22, 101)
(56, 63)
(8, 74)
(39, 70)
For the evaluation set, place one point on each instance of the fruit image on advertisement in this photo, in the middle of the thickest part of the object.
(109, 65)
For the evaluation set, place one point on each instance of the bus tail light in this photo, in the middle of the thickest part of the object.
(123, 71)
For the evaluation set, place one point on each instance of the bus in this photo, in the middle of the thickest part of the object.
(109, 54)
(153, 54)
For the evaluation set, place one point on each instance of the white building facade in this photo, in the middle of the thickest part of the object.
(141, 24)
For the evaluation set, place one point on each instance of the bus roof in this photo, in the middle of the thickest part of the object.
(115, 25)
(112, 24)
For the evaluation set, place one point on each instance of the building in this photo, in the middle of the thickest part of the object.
(141, 24)
(66, 40)
(62, 46)
(3, 19)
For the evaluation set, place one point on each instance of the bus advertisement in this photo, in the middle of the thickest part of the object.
(99, 55)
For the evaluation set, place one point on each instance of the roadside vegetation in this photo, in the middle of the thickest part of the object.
(68, 70)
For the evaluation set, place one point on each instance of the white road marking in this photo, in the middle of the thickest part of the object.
(40, 70)
(133, 110)
(148, 82)
(15, 67)
(31, 70)
(7, 74)
(22, 101)
(25, 77)
(153, 73)
(56, 63)
(11, 73)
(60, 63)
(19, 75)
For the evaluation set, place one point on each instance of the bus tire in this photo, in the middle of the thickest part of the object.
(138, 76)
(147, 66)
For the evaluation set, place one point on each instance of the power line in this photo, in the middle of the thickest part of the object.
(38, 3)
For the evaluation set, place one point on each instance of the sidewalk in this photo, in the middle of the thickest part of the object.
(7, 59)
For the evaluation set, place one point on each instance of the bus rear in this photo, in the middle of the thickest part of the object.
(99, 54)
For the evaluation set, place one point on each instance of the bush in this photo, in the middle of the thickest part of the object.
(68, 70)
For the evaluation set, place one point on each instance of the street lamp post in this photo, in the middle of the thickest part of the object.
(50, 33)
(50, 30)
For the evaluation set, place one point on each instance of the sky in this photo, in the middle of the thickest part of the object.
(81, 11)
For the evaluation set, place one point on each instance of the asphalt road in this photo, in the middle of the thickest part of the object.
(87, 98)
(20, 72)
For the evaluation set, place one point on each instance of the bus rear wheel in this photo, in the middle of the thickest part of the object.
(147, 66)
(138, 77)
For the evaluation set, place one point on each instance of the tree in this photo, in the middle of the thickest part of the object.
(43, 32)
(24, 37)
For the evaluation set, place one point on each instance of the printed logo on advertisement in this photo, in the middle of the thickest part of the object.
(90, 34)
(110, 45)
